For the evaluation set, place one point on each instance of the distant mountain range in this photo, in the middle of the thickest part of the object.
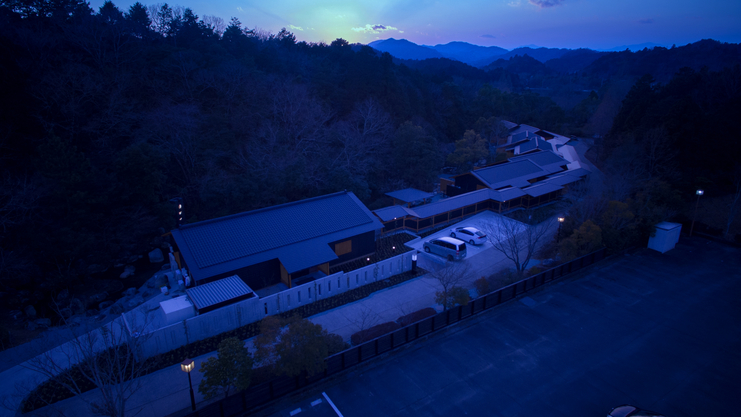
(483, 56)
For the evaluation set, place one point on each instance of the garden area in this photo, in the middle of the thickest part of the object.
(54, 390)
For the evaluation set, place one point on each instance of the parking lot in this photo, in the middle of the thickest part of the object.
(659, 331)
(478, 221)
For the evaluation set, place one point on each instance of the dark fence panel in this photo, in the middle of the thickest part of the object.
(399, 337)
(282, 386)
(351, 356)
(383, 344)
(334, 364)
(261, 394)
(465, 310)
(211, 410)
(440, 320)
(477, 305)
(232, 405)
(424, 326)
(367, 350)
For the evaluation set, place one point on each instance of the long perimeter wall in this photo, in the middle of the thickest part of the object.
(255, 309)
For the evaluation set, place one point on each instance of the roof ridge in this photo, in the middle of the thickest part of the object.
(244, 213)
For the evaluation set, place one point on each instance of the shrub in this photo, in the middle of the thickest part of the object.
(374, 332)
(482, 286)
(416, 316)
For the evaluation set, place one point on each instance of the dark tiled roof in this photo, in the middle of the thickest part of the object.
(408, 195)
(509, 173)
(579, 172)
(217, 292)
(562, 179)
(451, 203)
(542, 158)
(541, 188)
(506, 194)
(226, 244)
(393, 212)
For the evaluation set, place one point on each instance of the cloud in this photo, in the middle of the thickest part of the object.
(296, 27)
(646, 21)
(375, 29)
(546, 3)
(489, 36)
(514, 3)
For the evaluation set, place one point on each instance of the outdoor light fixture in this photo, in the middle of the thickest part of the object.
(699, 192)
(561, 219)
(187, 366)
(414, 262)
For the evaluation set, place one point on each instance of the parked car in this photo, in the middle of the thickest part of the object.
(631, 411)
(447, 247)
(471, 235)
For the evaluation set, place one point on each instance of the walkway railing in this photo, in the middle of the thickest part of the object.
(261, 394)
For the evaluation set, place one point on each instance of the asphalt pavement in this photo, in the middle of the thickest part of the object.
(659, 331)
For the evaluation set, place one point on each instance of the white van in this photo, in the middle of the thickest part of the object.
(447, 247)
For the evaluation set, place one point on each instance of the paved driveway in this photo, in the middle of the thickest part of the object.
(658, 331)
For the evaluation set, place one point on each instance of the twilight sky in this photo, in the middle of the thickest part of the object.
(596, 24)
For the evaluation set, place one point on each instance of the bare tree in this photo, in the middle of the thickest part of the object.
(366, 319)
(451, 278)
(517, 241)
(104, 358)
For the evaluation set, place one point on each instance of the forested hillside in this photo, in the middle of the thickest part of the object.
(106, 115)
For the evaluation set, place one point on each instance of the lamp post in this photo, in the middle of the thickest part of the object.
(187, 366)
(414, 262)
(560, 222)
(699, 193)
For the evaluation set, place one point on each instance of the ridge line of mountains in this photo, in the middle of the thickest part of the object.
(487, 57)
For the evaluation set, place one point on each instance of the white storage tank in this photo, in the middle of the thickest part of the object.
(666, 236)
(177, 309)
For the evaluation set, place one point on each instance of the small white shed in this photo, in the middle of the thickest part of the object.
(177, 309)
(667, 235)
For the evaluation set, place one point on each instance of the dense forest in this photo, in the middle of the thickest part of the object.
(107, 115)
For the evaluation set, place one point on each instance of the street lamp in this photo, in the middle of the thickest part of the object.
(561, 219)
(699, 193)
(187, 366)
(414, 262)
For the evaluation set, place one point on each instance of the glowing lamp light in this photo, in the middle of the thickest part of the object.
(561, 219)
(700, 192)
(188, 365)
(414, 257)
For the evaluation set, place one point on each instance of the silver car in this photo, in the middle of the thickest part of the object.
(447, 247)
(471, 235)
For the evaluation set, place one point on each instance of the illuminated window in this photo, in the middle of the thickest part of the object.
(343, 247)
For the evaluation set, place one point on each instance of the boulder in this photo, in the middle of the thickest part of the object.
(98, 298)
(31, 326)
(77, 306)
(65, 313)
(30, 311)
(134, 301)
(128, 271)
(116, 309)
(129, 292)
(46, 323)
(105, 304)
(156, 256)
